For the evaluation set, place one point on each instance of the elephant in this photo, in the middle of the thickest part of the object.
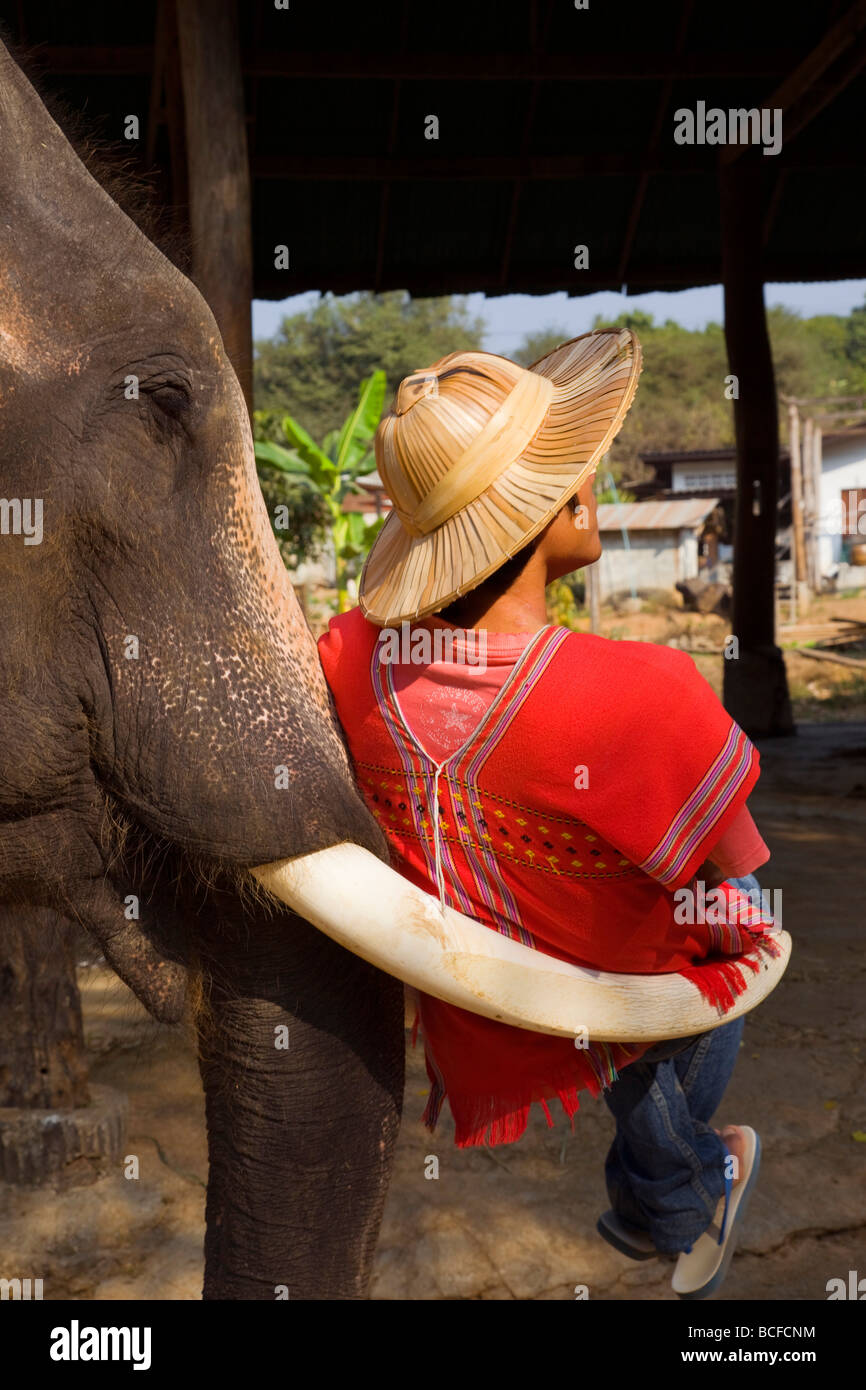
(165, 722)
(167, 741)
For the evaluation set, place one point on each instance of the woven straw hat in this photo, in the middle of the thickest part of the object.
(478, 454)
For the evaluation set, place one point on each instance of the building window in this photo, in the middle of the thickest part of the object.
(703, 479)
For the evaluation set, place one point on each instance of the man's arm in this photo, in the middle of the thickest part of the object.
(740, 851)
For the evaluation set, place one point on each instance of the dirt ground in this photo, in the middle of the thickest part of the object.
(519, 1222)
(821, 691)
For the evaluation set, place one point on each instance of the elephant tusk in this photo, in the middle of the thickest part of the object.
(367, 907)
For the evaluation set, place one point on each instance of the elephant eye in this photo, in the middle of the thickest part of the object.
(172, 398)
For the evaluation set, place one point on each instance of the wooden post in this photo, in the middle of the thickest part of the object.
(593, 596)
(817, 451)
(798, 548)
(54, 1127)
(808, 501)
(755, 683)
(42, 1061)
(218, 172)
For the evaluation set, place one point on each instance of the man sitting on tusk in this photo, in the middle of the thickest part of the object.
(563, 790)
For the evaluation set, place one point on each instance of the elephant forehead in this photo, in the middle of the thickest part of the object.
(26, 345)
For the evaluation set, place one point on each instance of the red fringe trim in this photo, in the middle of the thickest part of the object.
(501, 1119)
(721, 981)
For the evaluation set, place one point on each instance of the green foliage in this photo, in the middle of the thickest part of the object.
(313, 364)
(561, 599)
(680, 403)
(284, 485)
(310, 371)
(329, 474)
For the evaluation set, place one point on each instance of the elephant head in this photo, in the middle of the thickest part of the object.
(164, 723)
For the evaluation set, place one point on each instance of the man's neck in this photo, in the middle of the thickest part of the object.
(521, 608)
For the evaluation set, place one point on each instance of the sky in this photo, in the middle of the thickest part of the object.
(511, 317)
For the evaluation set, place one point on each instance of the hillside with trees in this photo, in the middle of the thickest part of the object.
(312, 367)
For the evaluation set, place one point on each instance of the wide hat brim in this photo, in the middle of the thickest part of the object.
(595, 377)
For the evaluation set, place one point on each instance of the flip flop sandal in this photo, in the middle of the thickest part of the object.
(701, 1270)
(628, 1240)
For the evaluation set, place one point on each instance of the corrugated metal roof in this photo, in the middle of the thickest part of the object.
(655, 516)
(724, 451)
(726, 454)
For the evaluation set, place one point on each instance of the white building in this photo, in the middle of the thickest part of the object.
(842, 521)
(651, 545)
(842, 506)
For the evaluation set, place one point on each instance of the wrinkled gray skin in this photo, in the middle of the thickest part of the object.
(154, 528)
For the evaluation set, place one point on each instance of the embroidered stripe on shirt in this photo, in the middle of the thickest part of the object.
(721, 784)
(511, 920)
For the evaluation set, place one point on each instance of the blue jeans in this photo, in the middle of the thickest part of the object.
(665, 1170)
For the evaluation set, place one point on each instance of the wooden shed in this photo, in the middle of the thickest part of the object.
(650, 545)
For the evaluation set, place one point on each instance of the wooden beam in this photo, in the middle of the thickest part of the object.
(218, 165)
(538, 30)
(773, 205)
(155, 116)
(755, 684)
(122, 60)
(859, 401)
(652, 146)
(544, 278)
(371, 168)
(813, 102)
(584, 66)
(799, 87)
(385, 191)
(816, 655)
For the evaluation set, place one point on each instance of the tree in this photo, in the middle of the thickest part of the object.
(289, 497)
(855, 347)
(331, 472)
(312, 366)
(681, 401)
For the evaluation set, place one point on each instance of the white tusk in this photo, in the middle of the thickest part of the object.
(367, 907)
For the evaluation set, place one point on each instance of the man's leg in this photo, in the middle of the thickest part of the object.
(665, 1171)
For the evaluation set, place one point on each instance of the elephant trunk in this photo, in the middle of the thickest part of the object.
(301, 1049)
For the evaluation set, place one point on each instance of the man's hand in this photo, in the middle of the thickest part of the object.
(710, 874)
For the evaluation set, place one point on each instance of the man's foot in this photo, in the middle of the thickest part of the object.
(628, 1240)
(701, 1271)
(737, 1146)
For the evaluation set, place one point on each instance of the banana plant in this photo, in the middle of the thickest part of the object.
(333, 470)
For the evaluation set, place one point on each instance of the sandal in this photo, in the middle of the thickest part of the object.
(701, 1270)
(628, 1240)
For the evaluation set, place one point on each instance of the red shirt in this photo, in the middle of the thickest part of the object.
(596, 783)
(443, 701)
